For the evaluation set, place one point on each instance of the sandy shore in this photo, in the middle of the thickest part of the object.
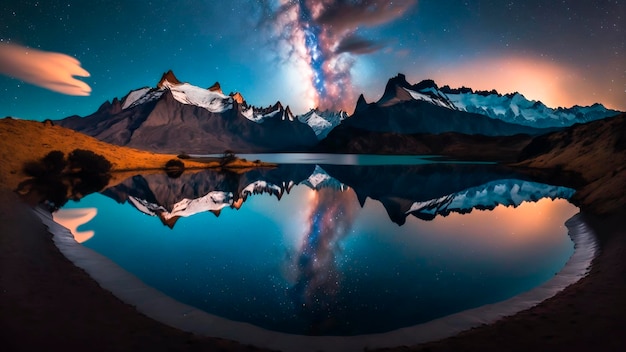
(46, 302)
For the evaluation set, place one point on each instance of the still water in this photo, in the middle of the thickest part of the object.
(332, 249)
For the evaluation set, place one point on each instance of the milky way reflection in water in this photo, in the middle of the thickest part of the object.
(334, 250)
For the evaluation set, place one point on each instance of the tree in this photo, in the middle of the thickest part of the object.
(228, 157)
(87, 162)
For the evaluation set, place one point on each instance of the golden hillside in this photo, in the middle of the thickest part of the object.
(22, 141)
(596, 151)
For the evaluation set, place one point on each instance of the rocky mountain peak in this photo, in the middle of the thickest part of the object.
(169, 77)
(216, 87)
(237, 97)
(361, 104)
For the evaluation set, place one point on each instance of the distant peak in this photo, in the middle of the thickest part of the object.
(237, 97)
(424, 84)
(360, 103)
(169, 77)
(288, 113)
(401, 77)
(216, 87)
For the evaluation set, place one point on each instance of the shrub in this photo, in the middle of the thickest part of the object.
(174, 168)
(51, 165)
(54, 162)
(228, 157)
(88, 162)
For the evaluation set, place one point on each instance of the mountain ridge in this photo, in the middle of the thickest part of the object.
(175, 117)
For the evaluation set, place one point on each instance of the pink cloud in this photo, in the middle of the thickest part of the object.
(53, 71)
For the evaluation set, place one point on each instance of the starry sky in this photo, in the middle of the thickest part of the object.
(59, 58)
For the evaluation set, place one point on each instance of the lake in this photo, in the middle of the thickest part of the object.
(333, 245)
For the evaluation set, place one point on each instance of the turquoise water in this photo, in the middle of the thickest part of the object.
(335, 250)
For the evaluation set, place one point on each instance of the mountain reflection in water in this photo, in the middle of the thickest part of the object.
(336, 249)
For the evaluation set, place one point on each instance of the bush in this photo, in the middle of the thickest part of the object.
(228, 157)
(51, 165)
(183, 156)
(54, 162)
(88, 162)
(174, 168)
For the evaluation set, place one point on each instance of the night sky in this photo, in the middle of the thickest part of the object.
(308, 53)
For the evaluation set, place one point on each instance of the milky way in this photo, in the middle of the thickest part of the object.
(320, 53)
(320, 39)
(313, 269)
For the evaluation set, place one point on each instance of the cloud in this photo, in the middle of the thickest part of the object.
(357, 45)
(345, 15)
(53, 71)
(317, 40)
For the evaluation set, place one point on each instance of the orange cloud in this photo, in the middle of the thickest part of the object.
(54, 71)
(552, 83)
(72, 219)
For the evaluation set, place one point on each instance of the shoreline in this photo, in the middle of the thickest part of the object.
(70, 310)
(167, 310)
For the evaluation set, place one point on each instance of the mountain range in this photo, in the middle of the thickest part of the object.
(423, 191)
(175, 116)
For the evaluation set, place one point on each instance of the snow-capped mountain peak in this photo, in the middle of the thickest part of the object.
(262, 114)
(512, 107)
(320, 179)
(399, 90)
(508, 192)
(322, 122)
(211, 99)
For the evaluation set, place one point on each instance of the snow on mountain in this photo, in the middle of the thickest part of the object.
(507, 192)
(260, 115)
(517, 109)
(320, 179)
(260, 187)
(432, 96)
(512, 108)
(212, 100)
(322, 122)
(213, 201)
(186, 93)
(140, 96)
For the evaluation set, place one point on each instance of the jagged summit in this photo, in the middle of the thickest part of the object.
(511, 107)
(237, 97)
(360, 104)
(322, 122)
(216, 87)
(169, 77)
(178, 116)
(289, 114)
(399, 90)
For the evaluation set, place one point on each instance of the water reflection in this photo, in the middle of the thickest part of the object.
(314, 266)
(316, 249)
(424, 191)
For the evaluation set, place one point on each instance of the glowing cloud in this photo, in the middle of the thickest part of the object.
(318, 40)
(72, 219)
(54, 71)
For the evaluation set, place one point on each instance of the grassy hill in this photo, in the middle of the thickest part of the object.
(596, 151)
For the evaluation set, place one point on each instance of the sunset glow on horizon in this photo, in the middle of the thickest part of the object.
(554, 84)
